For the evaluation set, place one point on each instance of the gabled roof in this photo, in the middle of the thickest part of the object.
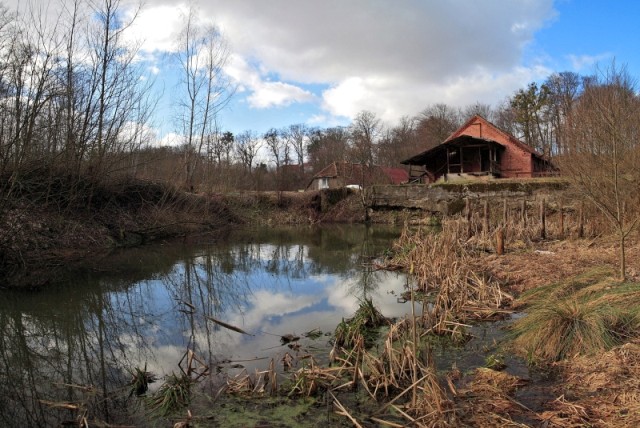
(459, 137)
(508, 136)
(355, 171)
(397, 175)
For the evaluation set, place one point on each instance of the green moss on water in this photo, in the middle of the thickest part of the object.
(269, 412)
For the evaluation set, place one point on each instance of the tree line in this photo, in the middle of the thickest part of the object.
(74, 97)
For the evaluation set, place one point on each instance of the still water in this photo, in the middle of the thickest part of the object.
(69, 350)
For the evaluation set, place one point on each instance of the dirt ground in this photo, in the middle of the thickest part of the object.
(550, 261)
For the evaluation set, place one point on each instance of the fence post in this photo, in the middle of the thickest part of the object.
(486, 215)
(500, 241)
(523, 212)
(469, 214)
(543, 220)
(561, 222)
(504, 212)
(581, 221)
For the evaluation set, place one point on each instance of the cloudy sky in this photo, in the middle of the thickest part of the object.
(322, 62)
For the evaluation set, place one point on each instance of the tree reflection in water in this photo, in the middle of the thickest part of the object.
(70, 349)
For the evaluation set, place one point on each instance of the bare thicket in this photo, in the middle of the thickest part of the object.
(73, 98)
(603, 149)
(204, 91)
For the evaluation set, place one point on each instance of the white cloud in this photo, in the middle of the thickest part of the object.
(156, 27)
(393, 59)
(275, 94)
(583, 62)
(264, 93)
(171, 139)
(388, 57)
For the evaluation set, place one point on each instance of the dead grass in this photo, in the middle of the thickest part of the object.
(442, 263)
(599, 392)
(583, 318)
(487, 400)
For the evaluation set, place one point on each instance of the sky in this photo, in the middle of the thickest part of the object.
(322, 62)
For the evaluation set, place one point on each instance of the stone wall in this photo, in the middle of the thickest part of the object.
(449, 198)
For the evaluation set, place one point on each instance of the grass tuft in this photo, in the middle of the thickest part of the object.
(584, 315)
(172, 396)
(140, 381)
(364, 324)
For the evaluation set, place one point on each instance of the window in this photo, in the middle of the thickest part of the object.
(323, 183)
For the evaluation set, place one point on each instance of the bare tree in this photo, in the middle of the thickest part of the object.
(115, 87)
(246, 147)
(327, 146)
(436, 123)
(603, 150)
(564, 89)
(365, 131)
(202, 55)
(275, 144)
(399, 143)
(480, 109)
(297, 137)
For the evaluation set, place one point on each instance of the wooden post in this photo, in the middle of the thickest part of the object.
(469, 214)
(504, 212)
(500, 241)
(486, 215)
(561, 222)
(523, 212)
(543, 220)
(581, 221)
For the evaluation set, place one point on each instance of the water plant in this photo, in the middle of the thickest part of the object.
(140, 381)
(172, 396)
(495, 362)
(363, 324)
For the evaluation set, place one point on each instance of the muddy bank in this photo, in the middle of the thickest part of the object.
(45, 231)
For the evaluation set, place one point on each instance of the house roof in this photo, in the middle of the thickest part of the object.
(458, 138)
(355, 171)
(505, 134)
(397, 175)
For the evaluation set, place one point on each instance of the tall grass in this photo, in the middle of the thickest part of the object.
(565, 328)
(363, 324)
(584, 315)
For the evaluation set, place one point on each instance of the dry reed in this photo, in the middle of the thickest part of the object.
(443, 264)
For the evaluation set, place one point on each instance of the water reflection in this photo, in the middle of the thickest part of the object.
(73, 345)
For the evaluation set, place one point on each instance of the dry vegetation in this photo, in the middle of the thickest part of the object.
(382, 373)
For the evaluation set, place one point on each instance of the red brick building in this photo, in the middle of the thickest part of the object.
(478, 149)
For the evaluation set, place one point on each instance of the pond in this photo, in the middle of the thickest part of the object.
(69, 350)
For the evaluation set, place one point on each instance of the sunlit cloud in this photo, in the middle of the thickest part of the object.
(584, 62)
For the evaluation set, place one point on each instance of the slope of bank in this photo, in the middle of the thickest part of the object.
(51, 225)
(48, 226)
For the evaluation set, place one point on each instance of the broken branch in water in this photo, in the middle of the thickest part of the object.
(229, 326)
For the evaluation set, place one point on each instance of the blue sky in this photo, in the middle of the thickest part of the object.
(585, 33)
(322, 62)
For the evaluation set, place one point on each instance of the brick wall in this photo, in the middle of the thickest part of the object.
(515, 161)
